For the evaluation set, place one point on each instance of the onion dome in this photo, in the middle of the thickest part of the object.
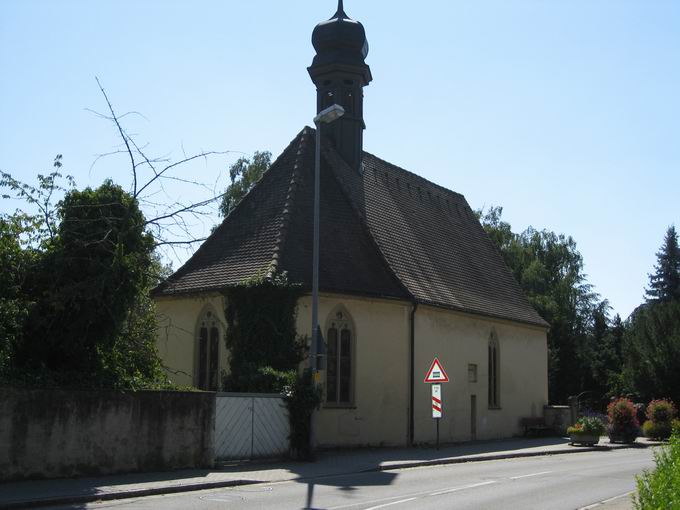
(339, 40)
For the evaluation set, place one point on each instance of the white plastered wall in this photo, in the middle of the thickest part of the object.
(460, 339)
(177, 328)
(380, 410)
(379, 414)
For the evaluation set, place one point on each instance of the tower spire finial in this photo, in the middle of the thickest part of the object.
(340, 73)
(341, 11)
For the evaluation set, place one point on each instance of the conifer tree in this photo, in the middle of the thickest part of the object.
(664, 283)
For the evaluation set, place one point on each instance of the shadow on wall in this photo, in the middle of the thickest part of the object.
(69, 433)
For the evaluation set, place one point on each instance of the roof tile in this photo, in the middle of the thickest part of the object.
(385, 232)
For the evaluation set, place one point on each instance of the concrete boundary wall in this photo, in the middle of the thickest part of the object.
(67, 433)
(558, 418)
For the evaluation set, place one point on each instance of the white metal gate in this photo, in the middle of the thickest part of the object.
(250, 425)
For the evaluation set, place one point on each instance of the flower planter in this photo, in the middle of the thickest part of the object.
(622, 438)
(584, 438)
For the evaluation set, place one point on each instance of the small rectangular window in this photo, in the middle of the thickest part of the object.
(472, 372)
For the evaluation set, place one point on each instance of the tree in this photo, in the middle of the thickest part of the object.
(75, 306)
(549, 269)
(74, 301)
(664, 283)
(173, 222)
(244, 174)
(651, 343)
(15, 263)
(652, 351)
(23, 239)
(88, 287)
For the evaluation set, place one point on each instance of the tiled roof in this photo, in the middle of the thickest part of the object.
(386, 233)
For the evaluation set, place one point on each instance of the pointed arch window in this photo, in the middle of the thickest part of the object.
(207, 352)
(494, 372)
(340, 340)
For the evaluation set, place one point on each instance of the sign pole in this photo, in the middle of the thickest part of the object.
(435, 376)
(437, 406)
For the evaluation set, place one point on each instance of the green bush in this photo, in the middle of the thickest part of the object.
(660, 489)
(660, 415)
(661, 410)
(302, 398)
(661, 430)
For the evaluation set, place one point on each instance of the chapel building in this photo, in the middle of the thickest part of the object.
(407, 274)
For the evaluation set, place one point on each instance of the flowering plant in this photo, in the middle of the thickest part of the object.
(661, 410)
(623, 421)
(660, 414)
(591, 425)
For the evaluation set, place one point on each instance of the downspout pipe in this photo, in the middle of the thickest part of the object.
(412, 373)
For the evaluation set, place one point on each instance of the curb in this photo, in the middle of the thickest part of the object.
(479, 458)
(463, 460)
(173, 489)
(135, 493)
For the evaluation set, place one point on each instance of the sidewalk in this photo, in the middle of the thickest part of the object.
(81, 490)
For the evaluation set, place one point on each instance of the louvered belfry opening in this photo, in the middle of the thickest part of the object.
(340, 74)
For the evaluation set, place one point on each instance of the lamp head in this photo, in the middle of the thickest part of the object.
(330, 114)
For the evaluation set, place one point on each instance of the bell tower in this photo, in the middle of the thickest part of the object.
(340, 74)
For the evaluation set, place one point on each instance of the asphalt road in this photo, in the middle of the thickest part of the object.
(551, 482)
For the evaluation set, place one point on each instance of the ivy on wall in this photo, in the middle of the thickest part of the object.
(261, 331)
(266, 352)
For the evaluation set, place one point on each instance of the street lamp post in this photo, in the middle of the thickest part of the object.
(326, 116)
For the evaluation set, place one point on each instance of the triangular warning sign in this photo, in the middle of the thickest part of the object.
(436, 373)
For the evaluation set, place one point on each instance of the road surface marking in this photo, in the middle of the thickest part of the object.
(371, 501)
(531, 474)
(390, 504)
(605, 501)
(617, 497)
(412, 496)
(447, 491)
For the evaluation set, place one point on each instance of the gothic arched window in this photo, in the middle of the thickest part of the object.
(207, 351)
(494, 372)
(340, 341)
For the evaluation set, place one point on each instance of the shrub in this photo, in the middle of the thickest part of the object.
(660, 430)
(302, 398)
(591, 425)
(659, 424)
(661, 488)
(661, 411)
(622, 418)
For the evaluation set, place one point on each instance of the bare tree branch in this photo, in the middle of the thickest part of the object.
(181, 162)
(173, 222)
(123, 136)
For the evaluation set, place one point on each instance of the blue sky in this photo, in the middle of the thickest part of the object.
(566, 113)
